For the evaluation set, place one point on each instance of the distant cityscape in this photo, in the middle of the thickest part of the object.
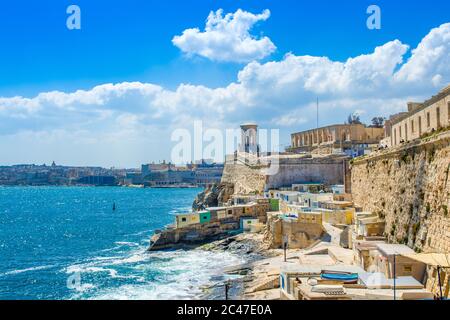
(163, 174)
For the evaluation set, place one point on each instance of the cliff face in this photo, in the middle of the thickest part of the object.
(410, 188)
(213, 196)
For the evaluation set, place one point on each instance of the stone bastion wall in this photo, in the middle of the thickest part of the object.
(254, 179)
(409, 187)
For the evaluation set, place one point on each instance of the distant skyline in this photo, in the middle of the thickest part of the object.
(112, 93)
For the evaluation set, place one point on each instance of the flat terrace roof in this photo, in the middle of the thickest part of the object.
(389, 249)
(441, 95)
(329, 126)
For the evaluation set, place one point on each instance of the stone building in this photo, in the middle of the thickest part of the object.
(421, 118)
(338, 136)
(297, 232)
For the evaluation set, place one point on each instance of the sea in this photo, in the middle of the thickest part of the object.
(65, 243)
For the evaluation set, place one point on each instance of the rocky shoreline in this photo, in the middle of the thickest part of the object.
(245, 278)
(255, 279)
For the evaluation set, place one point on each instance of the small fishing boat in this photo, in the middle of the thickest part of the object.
(346, 277)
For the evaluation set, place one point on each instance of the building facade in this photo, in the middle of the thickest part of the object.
(339, 136)
(421, 118)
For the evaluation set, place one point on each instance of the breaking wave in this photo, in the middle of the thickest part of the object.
(146, 275)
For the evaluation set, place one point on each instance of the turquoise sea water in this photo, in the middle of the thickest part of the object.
(68, 243)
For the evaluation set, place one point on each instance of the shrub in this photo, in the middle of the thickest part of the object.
(393, 230)
(445, 209)
(404, 158)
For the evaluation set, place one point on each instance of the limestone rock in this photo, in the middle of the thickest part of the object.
(213, 196)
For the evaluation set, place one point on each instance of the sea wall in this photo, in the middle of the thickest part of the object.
(409, 187)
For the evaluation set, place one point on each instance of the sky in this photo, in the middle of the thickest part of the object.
(114, 92)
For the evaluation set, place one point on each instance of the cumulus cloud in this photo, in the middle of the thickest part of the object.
(430, 61)
(227, 38)
(278, 94)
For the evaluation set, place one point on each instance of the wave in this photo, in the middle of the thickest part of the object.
(165, 275)
(19, 271)
(126, 243)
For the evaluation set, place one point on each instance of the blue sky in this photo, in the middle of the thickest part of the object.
(131, 41)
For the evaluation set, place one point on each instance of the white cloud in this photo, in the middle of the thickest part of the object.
(227, 38)
(288, 120)
(430, 61)
(275, 94)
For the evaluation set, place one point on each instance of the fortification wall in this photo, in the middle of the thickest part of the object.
(327, 171)
(409, 186)
(245, 179)
(251, 179)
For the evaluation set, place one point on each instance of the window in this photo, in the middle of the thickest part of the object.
(183, 219)
(230, 212)
(420, 126)
(400, 132)
(406, 131)
(448, 110)
(407, 268)
(438, 117)
(428, 120)
(412, 126)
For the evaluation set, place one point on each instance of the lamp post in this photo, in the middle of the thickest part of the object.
(227, 288)
(395, 298)
(285, 244)
(439, 280)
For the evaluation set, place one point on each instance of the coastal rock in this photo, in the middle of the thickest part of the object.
(213, 196)
(191, 236)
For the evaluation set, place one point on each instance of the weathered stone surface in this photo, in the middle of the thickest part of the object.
(287, 170)
(191, 236)
(409, 187)
(213, 196)
(245, 179)
(299, 235)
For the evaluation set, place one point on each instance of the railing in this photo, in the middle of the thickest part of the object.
(249, 160)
